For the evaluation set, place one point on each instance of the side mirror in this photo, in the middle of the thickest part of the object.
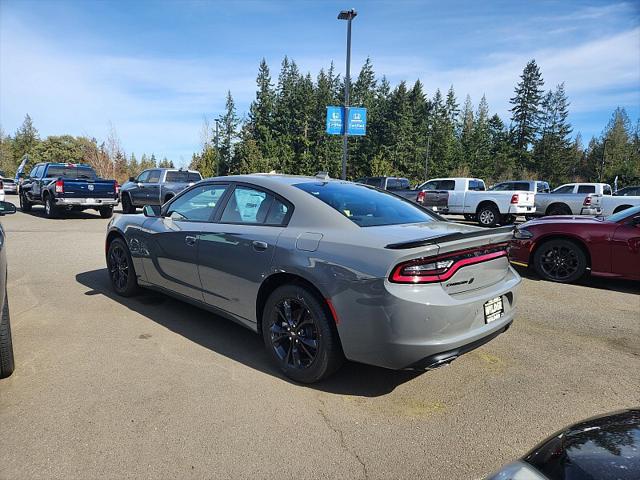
(132, 179)
(152, 211)
(7, 208)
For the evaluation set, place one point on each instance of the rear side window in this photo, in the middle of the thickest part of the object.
(502, 187)
(564, 189)
(586, 189)
(375, 181)
(182, 177)
(524, 186)
(366, 206)
(606, 190)
(543, 187)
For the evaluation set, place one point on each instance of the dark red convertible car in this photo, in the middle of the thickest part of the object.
(563, 248)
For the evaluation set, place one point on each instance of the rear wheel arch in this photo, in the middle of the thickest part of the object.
(111, 236)
(580, 243)
(487, 203)
(271, 283)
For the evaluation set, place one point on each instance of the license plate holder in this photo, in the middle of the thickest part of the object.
(493, 309)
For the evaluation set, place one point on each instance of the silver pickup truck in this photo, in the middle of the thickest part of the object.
(572, 199)
(155, 187)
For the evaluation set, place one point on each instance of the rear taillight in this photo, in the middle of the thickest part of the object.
(443, 267)
(59, 186)
(420, 198)
(514, 198)
(1, 184)
(587, 202)
(117, 186)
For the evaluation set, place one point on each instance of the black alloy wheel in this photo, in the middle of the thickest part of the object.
(121, 271)
(560, 261)
(300, 335)
(50, 209)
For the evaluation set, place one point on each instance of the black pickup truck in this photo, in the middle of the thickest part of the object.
(68, 186)
(397, 185)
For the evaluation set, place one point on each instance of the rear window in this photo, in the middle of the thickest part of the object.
(587, 189)
(366, 206)
(69, 171)
(183, 177)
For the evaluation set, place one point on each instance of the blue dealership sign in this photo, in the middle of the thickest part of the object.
(357, 121)
(335, 120)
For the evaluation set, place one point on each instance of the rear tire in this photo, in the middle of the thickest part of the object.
(50, 209)
(300, 338)
(121, 270)
(560, 261)
(7, 364)
(488, 215)
(106, 212)
(127, 205)
(25, 204)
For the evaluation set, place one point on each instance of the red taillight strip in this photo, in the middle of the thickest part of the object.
(397, 277)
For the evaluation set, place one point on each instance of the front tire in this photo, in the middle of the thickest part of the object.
(25, 204)
(127, 205)
(560, 261)
(106, 212)
(7, 364)
(50, 209)
(488, 216)
(121, 270)
(300, 335)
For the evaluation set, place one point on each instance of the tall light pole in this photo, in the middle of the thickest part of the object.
(347, 15)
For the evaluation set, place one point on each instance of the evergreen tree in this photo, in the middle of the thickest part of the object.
(261, 113)
(7, 163)
(133, 168)
(467, 135)
(502, 161)
(25, 139)
(481, 142)
(229, 122)
(526, 111)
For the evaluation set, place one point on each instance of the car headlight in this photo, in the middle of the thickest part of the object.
(522, 234)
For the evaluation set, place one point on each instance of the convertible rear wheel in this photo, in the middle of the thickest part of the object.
(560, 261)
(121, 271)
(300, 334)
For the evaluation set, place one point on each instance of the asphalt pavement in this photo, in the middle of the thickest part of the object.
(150, 387)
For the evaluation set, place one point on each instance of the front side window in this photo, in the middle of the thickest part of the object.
(438, 185)
(476, 185)
(502, 187)
(365, 206)
(196, 205)
(182, 176)
(154, 176)
(564, 189)
(36, 172)
(142, 178)
(606, 190)
(587, 189)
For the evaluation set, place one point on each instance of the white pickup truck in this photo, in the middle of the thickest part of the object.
(469, 197)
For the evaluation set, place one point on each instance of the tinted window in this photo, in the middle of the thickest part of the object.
(198, 204)
(154, 176)
(365, 206)
(477, 185)
(35, 173)
(501, 187)
(247, 205)
(438, 185)
(606, 190)
(277, 213)
(393, 184)
(375, 181)
(586, 189)
(564, 189)
(543, 187)
(404, 184)
(68, 171)
(142, 178)
(183, 177)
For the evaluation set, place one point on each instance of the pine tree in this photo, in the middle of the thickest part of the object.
(7, 162)
(133, 167)
(229, 122)
(502, 164)
(25, 139)
(481, 151)
(261, 113)
(467, 128)
(526, 111)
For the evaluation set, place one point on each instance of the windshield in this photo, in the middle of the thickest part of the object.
(621, 215)
(366, 206)
(183, 176)
(69, 171)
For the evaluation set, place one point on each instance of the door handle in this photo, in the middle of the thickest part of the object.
(190, 240)
(259, 246)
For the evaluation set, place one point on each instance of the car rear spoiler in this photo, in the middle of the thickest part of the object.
(448, 237)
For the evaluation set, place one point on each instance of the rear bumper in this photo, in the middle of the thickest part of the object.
(10, 188)
(522, 210)
(591, 211)
(87, 202)
(417, 327)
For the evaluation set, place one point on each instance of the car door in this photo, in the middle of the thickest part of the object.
(625, 248)
(138, 192)
(172, 240)
(236, 252)
(35, 180)
(152, 188)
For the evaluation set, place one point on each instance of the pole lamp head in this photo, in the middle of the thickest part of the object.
(347, 14)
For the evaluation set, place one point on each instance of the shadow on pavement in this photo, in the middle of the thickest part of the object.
(238, 343)
(613, 284)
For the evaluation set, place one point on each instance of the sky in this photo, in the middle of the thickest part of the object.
(154, 70)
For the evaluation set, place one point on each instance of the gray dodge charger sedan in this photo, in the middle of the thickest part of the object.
(323, 269)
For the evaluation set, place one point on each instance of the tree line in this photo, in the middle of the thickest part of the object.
(107, 157)
(409, 134)
(414, 135)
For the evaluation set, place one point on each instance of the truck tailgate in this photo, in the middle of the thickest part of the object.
(434, 199)
(526, 199)
(81, 188)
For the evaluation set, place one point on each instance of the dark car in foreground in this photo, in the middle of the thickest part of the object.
(563, 248)
(155, 187)
(600, 448)
(6, 347)
(63, 187)
(322, 269)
